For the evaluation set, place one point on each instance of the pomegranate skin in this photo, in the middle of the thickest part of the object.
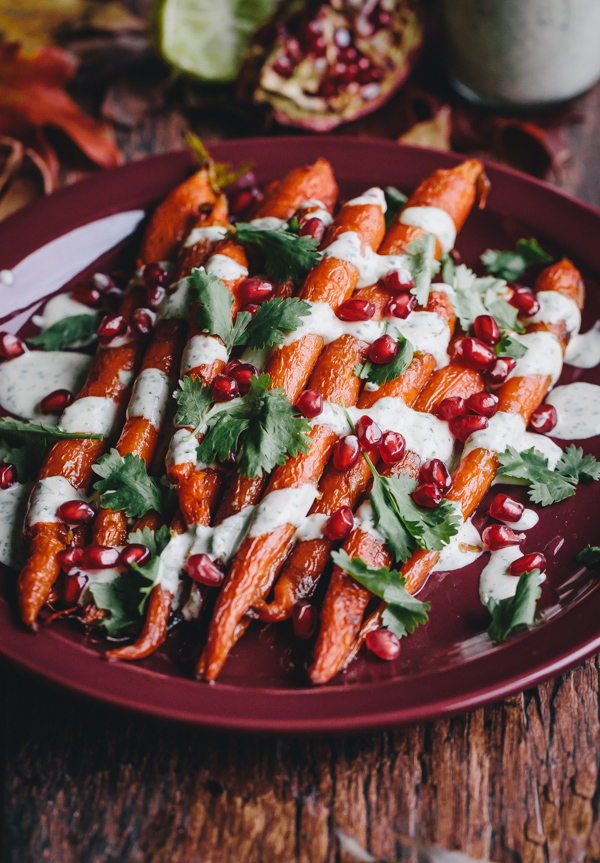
(383, 644)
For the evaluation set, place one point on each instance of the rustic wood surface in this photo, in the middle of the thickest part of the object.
(517, 781)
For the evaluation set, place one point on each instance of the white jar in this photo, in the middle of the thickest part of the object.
(522, 52)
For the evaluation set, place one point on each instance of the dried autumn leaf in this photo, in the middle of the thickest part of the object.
(431, 133)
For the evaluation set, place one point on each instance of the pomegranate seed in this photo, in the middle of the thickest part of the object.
(369, 76)
(88, 296)
(380, 18)
(11, 346)
(73, 587)
(75, 512)
(342, 38)
(435, 471)
(282, 65)
(202, 569)
(356, 310)
(111, 327)
(398, 281)
(487, 329)
(525, 301)
(136, 553)
(484, 404)
(310, 403)
(100, 557)
(535, 560)
(254, 291)
(383, 350)
(242, 375)
(8, 476)
(350, 74)
(224, 388)
(312, 228)
(251, 308)
(401, 305)
(346, 452)
(142, 321)
(242, 200)
(155, 296)
(70, 557)
(383, 644)
(498, 536)
(304, 619)
(339, 524)
(103, 282)
(543, 419)
(427, 494)
(392, 447)
(231, 365)
(499, 371)
(155, 276)
(463, 427)
(55, 402)
(364, 63)
(475, 354)
(505, 508)
(368, 433)
(349, 54)
(451, 407)
(293, 50)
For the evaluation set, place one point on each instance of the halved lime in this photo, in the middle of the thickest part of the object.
(206, 38)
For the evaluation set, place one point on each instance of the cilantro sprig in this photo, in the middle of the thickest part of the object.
(28, 442)
(421, 263)
(549, 486)
(512, 265)
(395, 200)
(381, 373)
(515, 612)
(62, 334)
(285, 254)
(194, 401)
(403, 613)
(508, 346)
(589, 556)
(125, 485)
(475, 296)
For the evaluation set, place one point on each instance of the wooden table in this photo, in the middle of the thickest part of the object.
(517, 781)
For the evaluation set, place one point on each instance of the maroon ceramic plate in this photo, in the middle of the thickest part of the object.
(448, 665)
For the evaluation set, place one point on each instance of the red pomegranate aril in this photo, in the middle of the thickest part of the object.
(11, 346)
(310, 403)
(155, 276)
(525, 301)
(72, 588)
(75, 512)
(487, 329)
(338, 70)
(463, 427)
(527, 563)
(100, 556)
(142, 321)
(312, 227)
(392, 447)
(136, 553)
(435, 471)
(155, 296)
(304, 619)
(294, 50)
(383, 350)
(231, 365)
(224, 388)
(254, 291)
(251, 308)
(349, 54)
(282, 65)
(484, 404)
(56, 401)
(346, 452)
(383, 644)
(506, 508)
(202, 569)
(398, 281)
(103, 282)
(242, 375)
(543, 419)
(240, 201)
(8, 476)
(475, 354)
(339, 524)
(70, 557)
(499, 371)
(86, 295)
(401, 305)
(356, 310)
(111, 327)
(363, 63)
(342, 38)
(498, 536)
(369, 76)
(451, 407)
(368, 433)
(427, 494)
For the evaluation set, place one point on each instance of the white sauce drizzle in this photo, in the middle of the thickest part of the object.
(90, 415)
(283, 506)
(172, 559)
(193, 606)
(495, 581)
(578, 409)
(365, 521)
(312, 527)
(177, 302)
(212, 233)
(370, 265)
(58, 308)
(435, 221)
(583, 350)
(555, 307)
(505, 430)
(150, 396)
(269, 223)
(25, 380)
(13, 506)
(225, 268)
(464, 547)
(319, 212)
(182, 448)
(222, 541)
(528, 520)
(375, 196)
(427, 331)
(48, 494)
(202, 351)
(544, 356)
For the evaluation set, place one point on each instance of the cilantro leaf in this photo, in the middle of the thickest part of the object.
(549, 486)
(512, 265)
(590, 556)
(154, 540)
(419, 260)
(126, 485)
(380, 373)
(27, 459)
(475, 296)
(515, 612)
(508, 346)
(58, 336)
(194, 401)
(404, 613)
(262, 425)
(25, 430)
(499, 308)
(213, 313)
(579, 467)
(286, 255)
(395, 200)
(271, 321)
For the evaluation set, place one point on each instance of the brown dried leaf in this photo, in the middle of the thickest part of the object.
(431, 133)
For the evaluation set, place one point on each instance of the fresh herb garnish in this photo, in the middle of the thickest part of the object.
(419, 260)
(475, 296)
(508, 346)
(381, 373)
(515, 612)
(285, 254)
(62, 334)
(403, 613)
(194, 400)
(395, 200)
(549, 486)
(19, 430)
(512, 265)
(262, 427)
(590, 556)
(125, 485)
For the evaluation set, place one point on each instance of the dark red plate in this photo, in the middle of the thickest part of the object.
(447, 666)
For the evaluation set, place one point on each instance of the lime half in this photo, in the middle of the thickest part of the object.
(206, 38)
